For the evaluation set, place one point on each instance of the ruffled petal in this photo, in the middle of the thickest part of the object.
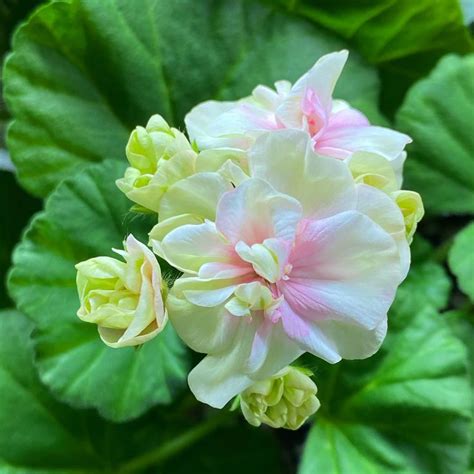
(285, 159)
(345, 268)
(220, 377)
(254, 211)
(341, 142)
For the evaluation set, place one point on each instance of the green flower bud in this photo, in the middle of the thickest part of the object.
(159, 155)
(124, 299)
(285, 400)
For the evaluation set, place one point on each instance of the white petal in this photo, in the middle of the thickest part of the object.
(201, 119)
(189, 247)
(385, 212)
(203, 329)
(220, 377)
(198, 195)
(285, 159)
(322, 77)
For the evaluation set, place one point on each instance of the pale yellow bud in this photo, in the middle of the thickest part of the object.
(285, 400)
(124, 299)
(411, 205)
(159, 155)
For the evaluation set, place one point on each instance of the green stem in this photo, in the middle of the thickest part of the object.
(168, 449)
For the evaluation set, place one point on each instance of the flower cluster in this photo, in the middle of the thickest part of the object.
(284, 212)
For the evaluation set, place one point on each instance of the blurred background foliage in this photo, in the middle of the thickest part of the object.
(81, 76)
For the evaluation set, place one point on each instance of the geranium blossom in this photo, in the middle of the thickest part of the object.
(298, 258)
(336, 129)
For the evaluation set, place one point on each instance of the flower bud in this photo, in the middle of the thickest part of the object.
(159, 156)
(411, 205)
(285, 400)
(124, 299)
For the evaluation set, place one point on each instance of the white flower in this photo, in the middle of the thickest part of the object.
(297, 258)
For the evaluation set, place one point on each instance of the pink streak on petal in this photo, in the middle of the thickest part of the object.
(316, 115)
(295, 326)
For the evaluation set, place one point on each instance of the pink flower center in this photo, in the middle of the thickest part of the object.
(314, 113)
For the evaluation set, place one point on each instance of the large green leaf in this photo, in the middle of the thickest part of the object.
(461, 259)
(407, 409)
(437, 113)
(84, 73)
(389, 29)
(39, 435)
(85, 217)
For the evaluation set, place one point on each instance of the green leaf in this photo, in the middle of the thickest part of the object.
(437, 113)
(389, 29)
(407, 409)
(39, 435)
(84, 73)
(85, 217)
(462, 322)
(461, 259)
(15, 211)
(427, 284)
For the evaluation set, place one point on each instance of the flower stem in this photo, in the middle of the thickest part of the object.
(168, 449)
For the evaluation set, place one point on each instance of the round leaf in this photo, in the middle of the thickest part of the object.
(409, 412)
(84, 73)
(461, 259)
(437, 113)
(85, 217)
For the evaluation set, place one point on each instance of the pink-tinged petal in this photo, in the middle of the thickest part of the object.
(307, 335)
(254, 211)
(190, 246)
(347, 117)
(272, 350)
(345, 268)
(384, 211)
(333, 340)
(316, 117)
(286, 160)
(322, 77)
(341, 142)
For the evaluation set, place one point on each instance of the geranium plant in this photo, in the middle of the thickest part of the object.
(233, 269)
